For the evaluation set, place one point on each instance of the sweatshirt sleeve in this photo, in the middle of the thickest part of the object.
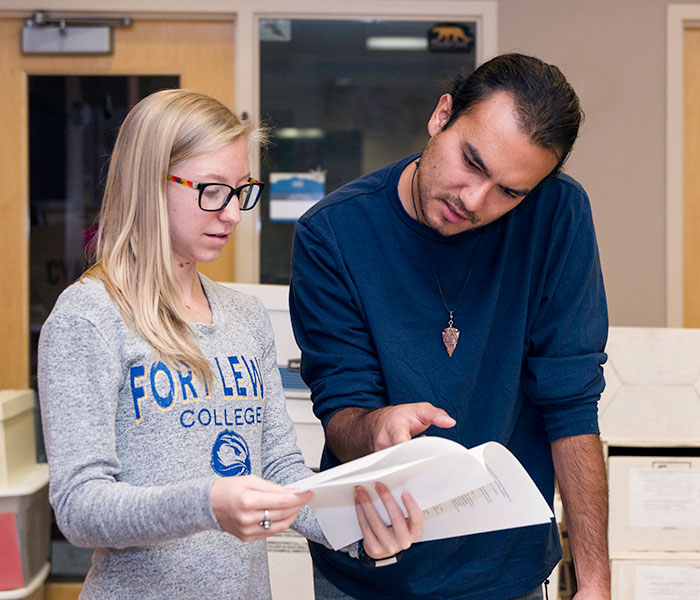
(339, 360)
(282, 461)
(80, 374)
(564, 373)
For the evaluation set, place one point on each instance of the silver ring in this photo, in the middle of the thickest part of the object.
(266, 523)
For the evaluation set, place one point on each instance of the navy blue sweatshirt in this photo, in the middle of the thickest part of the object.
(368, 317)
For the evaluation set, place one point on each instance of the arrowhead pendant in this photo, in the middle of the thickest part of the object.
(450, 337)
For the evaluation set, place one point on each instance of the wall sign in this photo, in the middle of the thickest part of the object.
(292, 194)
(451, 37)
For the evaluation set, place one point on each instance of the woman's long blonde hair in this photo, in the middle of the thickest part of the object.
(133, 253)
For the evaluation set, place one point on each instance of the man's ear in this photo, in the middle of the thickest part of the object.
(441, 115)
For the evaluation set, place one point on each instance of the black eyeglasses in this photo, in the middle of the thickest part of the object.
(216, 196)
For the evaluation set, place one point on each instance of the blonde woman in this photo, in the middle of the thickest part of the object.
(167, 438)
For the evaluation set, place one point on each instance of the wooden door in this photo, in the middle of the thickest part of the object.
(200, 52)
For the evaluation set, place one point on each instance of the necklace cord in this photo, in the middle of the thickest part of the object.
(430, 259)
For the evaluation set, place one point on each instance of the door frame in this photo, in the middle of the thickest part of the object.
(679, 17)
(217, 79)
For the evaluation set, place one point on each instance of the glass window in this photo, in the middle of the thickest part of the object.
(344, 98)
(73, 124)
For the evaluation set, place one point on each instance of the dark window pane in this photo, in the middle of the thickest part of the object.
(73, 124)
(341, 107)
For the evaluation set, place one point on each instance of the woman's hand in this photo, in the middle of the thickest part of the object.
(381, 541)
(239, 504)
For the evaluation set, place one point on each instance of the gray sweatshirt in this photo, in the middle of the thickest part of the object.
(133, 446)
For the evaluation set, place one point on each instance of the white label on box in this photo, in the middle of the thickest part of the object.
(664, 498)
(667, 583)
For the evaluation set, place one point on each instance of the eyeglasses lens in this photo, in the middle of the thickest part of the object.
(214, 196)
(248, 196)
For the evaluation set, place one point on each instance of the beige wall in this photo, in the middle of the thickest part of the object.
(614, 53)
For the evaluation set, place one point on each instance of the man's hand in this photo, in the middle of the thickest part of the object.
(354, 432)
(396, 424)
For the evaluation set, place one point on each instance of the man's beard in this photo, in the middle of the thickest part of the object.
(424, 197)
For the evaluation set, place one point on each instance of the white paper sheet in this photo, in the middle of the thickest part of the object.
(460, 491)
(664, 498)
(666, 583)
(511, 500)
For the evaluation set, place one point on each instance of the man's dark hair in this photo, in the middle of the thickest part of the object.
(547, 108)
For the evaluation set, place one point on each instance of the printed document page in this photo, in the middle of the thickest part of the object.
(460, 491)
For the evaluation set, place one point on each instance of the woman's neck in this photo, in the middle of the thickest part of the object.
(194, 299)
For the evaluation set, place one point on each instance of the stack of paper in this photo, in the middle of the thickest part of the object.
(460, 491)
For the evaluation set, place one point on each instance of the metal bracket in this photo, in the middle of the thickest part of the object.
(41, 18)
(69, 34)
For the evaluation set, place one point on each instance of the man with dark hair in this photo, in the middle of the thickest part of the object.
(459, 293)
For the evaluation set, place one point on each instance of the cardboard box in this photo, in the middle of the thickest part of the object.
(652, 392)
(654, 503)
(25, 529)
(656, 576)
(291, 571)
(17, 437)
